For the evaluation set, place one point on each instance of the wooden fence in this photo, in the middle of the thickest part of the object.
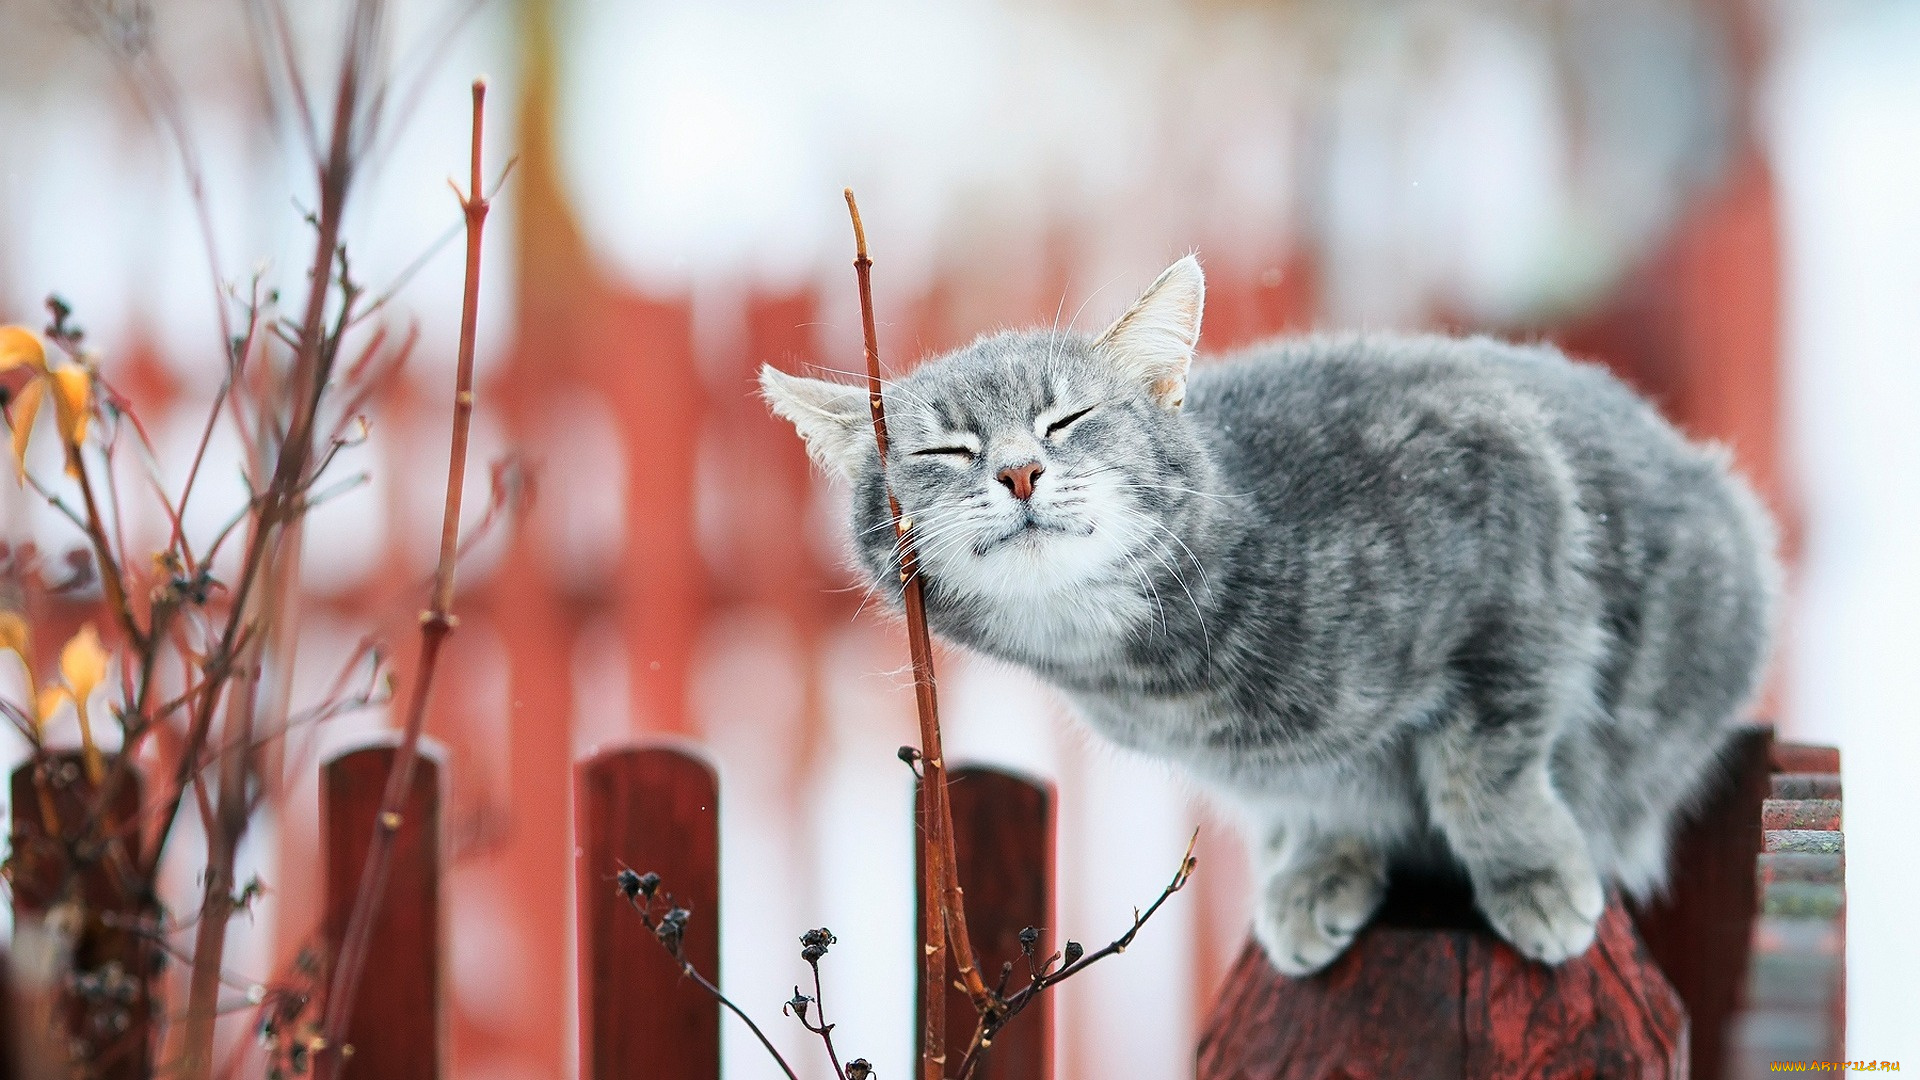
(646, 808)
(1751, 938)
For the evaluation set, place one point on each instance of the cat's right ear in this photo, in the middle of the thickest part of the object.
(832, 417)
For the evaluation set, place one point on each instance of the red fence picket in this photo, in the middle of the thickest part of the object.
(1003, 833)
(51, 804)
(651, 810)
(398, 1030)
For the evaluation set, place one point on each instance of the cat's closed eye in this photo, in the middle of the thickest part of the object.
(1060, 426)
(958, 453)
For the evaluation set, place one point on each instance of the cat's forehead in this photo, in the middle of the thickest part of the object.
(1004, 379)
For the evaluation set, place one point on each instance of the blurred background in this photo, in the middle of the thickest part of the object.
(1719, 198)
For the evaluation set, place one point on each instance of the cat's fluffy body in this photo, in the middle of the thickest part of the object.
(1396, 600)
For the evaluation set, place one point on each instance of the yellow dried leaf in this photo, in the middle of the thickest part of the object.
(13, 633)
(25, 408)
(83, 663)
(49, 702)
(19, 346)
(72, 386)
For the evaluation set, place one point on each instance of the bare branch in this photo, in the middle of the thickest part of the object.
(944, 911)
(436, 625)
(669, 929)
(1045, 977)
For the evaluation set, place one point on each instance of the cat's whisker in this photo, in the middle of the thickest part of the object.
(929, 555)
(1089, 300)
(1146, 580)
(1053, 335)
(1206, 583)
(1220, 496)
(889, 386)
(933, 543)
(933, 549)
(936, 526)
(1160, 552)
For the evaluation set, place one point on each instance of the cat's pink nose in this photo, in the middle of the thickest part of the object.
(1019, 479)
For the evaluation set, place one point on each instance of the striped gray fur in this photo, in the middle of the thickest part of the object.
(1393, 600)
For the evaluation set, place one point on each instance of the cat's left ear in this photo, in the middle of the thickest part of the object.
(1154, 341)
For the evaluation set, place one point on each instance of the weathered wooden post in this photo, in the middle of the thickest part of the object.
(1739, 965)
(398, 1031)
(73, 867)
(653, 810)
(1424, 993)
(1003, 835)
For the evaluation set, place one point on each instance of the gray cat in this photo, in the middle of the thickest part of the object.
(1398, 601)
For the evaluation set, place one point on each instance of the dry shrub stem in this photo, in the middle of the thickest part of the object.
(280, 508)
(669, 929)
(1046, 976)
(943, 911)
(225, 756)
(824, 1029)
(283, 500)
(436, 623)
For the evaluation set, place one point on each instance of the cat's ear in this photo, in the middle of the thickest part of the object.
(1154, 341)
(831, 417)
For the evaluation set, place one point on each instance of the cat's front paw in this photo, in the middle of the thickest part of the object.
(1308, 914)
(1547, 914)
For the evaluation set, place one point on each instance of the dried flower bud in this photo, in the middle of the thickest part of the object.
(1073, 952)
(798, 1005)
(909, 754)
(638, 886)
(672, 928)
(859, 1069)
(816, 942)
(1029, 940)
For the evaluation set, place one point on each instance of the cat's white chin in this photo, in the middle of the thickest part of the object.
(1032, 535)
(1060, 594)
(1037, 556)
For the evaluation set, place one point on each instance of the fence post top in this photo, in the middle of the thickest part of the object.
(430, 749)
(665, 748)
(967, 769)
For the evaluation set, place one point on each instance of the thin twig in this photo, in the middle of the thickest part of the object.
(275, 15)
(435, 626)
(1044, 979)
(815, 945)
(825, 1030)
(669, 930)
(237, 354)
(308, 382)
(944, 911)
(110, 578)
